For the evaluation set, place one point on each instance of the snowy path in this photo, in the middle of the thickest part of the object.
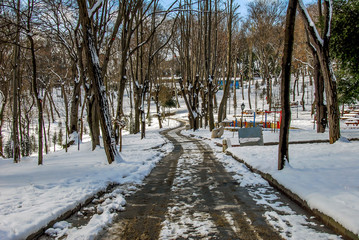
(202, 202)
(190, 195)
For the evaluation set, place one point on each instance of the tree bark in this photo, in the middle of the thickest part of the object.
(222, 106)
(158, 107)
(125, 44)
(321, 113)
(191, 114)
(75, 102)
(208, 58)
(38, 101)
(321, 46)
(96, 77)
(303, 92)
(16, 78)
(283, 153)
(295, 84)
(250, 76)
(234, 88)
(3, 105)
(66, 115)
(92, 116)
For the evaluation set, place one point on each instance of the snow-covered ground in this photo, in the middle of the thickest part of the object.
(325, 175)
(31, 195)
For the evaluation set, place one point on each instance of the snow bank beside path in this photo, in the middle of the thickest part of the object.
(325, 175)
(31, 195)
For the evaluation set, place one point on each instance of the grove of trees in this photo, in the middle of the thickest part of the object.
(96, 65)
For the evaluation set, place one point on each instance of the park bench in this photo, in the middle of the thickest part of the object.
(250, 136)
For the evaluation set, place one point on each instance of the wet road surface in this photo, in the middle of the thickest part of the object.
(190, 195)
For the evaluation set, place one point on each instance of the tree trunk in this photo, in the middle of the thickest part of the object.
(234, 88)
(242, 87)
(92, 119)
(295, 84)
(222, 105)
(191, 114)
(38, 101)
(250, 76)
(142, 109)
(95, 74)
(321, 113)
(303, 93)
(91, 104)
(3, 104)
(322, 49)
(75, 102)
(283, 153)
(53, 105)
(210, 103)
(50, 105)
(332, 99)
(208, 61)
(125, 39)
(66, 115)
(158, 107)
(16, 79)
(44, 135)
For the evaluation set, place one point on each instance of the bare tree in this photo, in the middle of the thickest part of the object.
(96, 76)
(321, 45)
(283, 155)
(15, 87)
(35, 90)
(223, 105)
(5, 80)
(266, 27)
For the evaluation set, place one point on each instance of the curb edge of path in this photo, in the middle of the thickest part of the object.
(68, 213)
(329, 221)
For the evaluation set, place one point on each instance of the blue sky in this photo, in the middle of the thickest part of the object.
(242, 5)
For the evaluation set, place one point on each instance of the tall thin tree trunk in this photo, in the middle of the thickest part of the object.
(38, 101)
(44, 134)
(66, 116)
(322, 49)
(283, 153)
(295, 84)
(222, 105)
(250, 75)
(321, 113)
(16, 79)
(96, 77)
(208, 61)
(3, 105)
(242, 87)
(75, 102)
(303, 93)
